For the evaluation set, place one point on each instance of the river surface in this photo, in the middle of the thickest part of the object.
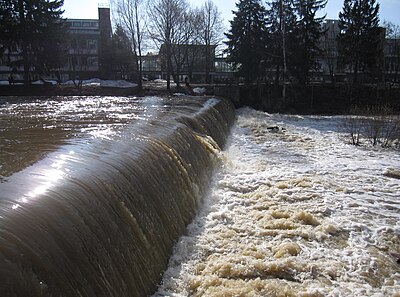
(294, 211)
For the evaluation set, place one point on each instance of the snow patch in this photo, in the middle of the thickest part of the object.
(199, 91)
(104, 83)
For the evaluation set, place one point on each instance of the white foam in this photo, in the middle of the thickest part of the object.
(297, 211)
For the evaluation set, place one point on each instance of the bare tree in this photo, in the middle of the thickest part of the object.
(182, 45)
(166, 18)
(212, 28)
(194, 52)
(134, 23)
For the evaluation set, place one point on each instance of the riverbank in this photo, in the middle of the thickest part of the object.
(319, 99)
(158, 87)
(311, 99)
(65, 90)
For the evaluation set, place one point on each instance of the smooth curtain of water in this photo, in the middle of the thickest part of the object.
(94, 191)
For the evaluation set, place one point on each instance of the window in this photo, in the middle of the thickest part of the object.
(92, 61)
(92, 44)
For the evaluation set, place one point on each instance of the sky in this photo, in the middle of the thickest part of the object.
(87, 9)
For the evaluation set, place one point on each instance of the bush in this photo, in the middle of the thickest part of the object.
(376, 125)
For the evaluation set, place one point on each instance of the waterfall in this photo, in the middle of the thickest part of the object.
(98, 216)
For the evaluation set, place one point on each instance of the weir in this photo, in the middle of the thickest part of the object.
(97, 214)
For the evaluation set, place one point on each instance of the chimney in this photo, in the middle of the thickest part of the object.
(105, 21)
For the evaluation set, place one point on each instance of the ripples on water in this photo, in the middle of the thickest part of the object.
(94, 191)
(43, 125)
(293, 213)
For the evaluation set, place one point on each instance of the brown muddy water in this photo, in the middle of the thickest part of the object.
(94, 191)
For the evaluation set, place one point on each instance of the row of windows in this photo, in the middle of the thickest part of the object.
(85, 44)
(83, 24)
(83, 61)
(392, 67)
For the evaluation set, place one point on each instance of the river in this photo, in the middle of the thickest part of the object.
(294, 211)
(97, 193)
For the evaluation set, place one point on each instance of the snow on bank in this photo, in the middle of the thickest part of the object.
(104, 83)
(199, 91)
(293, 212)
(90, 82)
(160, 83)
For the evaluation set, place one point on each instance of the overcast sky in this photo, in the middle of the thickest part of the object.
(87, 9)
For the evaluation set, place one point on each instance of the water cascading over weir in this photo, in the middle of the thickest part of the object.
(95, 191)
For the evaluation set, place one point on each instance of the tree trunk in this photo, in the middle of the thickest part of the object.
(283, 28)
(277, 74)
(176, 73)
(24, 46)
(355, 73)
(168, 66)
(139, 45)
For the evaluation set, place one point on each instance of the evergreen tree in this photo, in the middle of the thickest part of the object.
(246, 38)
(123, 58)
(35, 29)
(359, 38)
(7, 21)
(308, 33)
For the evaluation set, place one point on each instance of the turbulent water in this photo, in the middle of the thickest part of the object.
(95, 191)
(295, 211)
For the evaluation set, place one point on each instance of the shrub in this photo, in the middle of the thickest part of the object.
(376, 125)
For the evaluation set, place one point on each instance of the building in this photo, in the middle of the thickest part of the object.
(392, 60)
(86, 47)
(194, 61)
(151, 66)
(82, 49)
(189, 61)
(85, 51)
(329, 59)
(332, 70)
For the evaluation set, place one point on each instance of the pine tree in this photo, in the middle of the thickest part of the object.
(359, 38)
(281, 22)
(7, 21)
(246, 38)
(308, 33)
(35, 29)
